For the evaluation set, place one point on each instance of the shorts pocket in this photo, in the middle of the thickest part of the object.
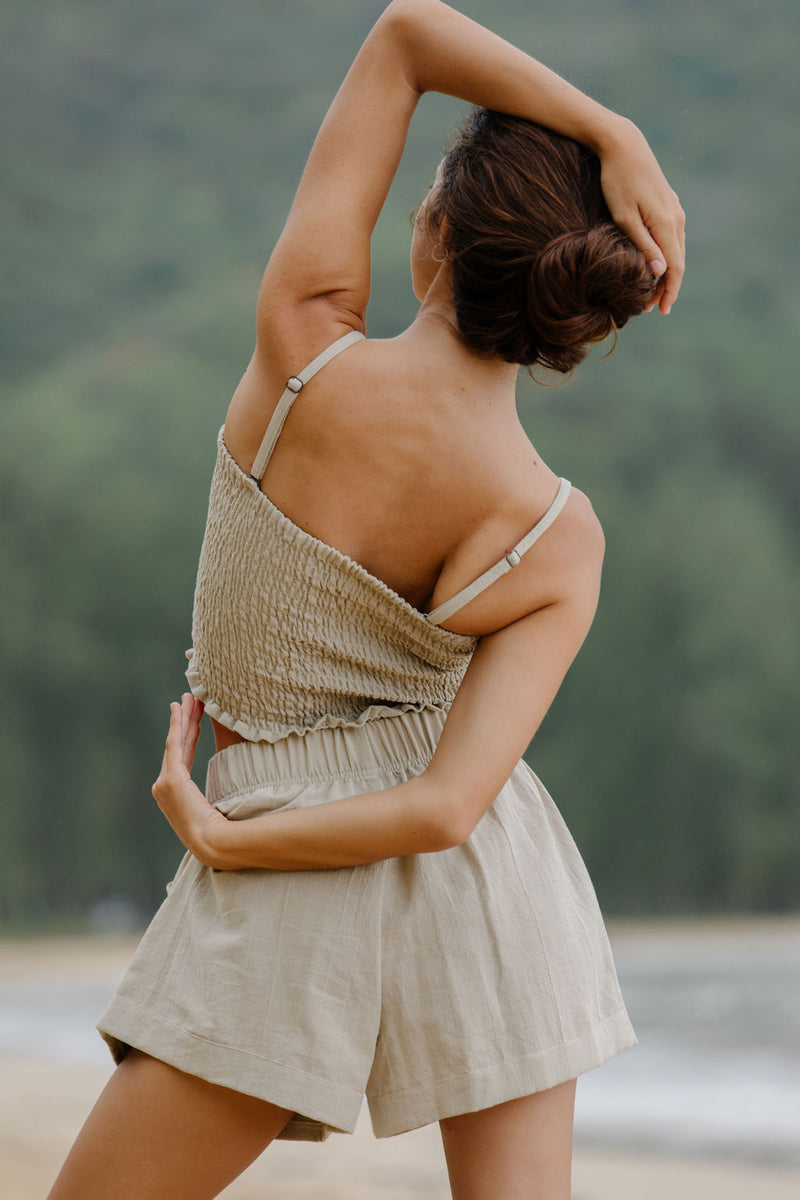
(239, 806)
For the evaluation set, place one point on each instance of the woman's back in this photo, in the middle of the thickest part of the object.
(410, 459)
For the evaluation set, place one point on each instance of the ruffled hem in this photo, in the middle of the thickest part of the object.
(276, 731)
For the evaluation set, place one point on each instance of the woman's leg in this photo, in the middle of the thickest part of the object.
(520, 1150)
(157, 1133)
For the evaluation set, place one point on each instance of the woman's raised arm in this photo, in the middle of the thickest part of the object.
(322, 257)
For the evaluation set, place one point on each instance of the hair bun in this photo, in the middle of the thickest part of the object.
(584, 285)
(539, 270)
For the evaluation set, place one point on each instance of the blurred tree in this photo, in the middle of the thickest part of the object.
(148, 166)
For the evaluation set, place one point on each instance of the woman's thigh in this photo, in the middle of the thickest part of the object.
(157, 1133)
(520, 1150)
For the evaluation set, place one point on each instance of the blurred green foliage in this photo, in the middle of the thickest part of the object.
(150, 154)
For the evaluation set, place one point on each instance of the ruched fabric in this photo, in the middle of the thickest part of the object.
(291, 635)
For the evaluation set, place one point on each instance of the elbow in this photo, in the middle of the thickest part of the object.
(453, 823)
(397, 17)
(405, 19)
(404, 12)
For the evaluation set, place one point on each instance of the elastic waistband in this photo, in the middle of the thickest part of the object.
(405, 740)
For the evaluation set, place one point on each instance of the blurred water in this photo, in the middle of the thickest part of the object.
(716, 1071)
(717, 1068)
(54, 1018)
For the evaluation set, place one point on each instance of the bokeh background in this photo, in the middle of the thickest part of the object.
(149, 155)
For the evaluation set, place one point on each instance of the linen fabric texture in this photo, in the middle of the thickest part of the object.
(434, 983)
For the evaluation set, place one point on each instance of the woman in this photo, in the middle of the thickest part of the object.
(378, 895)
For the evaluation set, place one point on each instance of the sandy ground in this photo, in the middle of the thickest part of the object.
(42, 1107)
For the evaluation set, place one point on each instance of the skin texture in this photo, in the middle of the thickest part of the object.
(461, 484)
(520, 1150)
(157, 1133)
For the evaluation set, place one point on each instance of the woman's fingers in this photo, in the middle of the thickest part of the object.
(192, 717)
(173, 750)
(656, 260)
(674, 276)
(663, 247)
(172, 756)
(666, 230)
(670, 283)
(182, 736)
(179, 747)
(663, 250)
(655, 299)
(644, 205)
(643, 239)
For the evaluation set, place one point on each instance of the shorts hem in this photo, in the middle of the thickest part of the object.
(410, 1108)
(321, 1107)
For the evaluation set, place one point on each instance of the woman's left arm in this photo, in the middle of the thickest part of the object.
(408, 818)
(509, 685)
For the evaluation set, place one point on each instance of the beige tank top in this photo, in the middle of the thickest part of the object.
(291, 635)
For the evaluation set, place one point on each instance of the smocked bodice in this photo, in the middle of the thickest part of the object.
(291, 635)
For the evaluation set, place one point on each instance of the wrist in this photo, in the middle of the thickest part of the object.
(439, 810)
(215, 842)
(609, 131)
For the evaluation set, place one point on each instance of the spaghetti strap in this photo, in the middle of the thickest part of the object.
(293, 385)
(507, 563)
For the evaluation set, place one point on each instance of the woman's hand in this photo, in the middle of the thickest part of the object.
(195, 821)
(643, 204)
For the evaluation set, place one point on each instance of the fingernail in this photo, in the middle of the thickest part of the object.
(667, 311)
(658, 267)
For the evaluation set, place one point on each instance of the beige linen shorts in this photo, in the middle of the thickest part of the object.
(435, 984)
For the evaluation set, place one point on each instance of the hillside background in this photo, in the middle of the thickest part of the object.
(149, 155)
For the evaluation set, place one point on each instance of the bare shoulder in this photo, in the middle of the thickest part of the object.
(290, 338)
(569, 568)
(583, 537)
(577, 549)
(286, 343)
(563, 568)
(581, 550)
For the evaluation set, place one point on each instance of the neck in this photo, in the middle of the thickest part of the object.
(438, 300)
(436, 319)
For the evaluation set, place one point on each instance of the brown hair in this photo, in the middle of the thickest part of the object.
(539, 269)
